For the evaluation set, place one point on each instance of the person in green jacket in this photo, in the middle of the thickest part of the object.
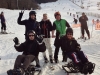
(60, 26)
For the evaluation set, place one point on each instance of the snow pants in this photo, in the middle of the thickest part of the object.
(77, 57)
(3, 26)
(23, 61)
(85, 28)
(48, 46)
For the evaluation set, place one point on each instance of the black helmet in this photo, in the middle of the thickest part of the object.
(69, 30)
(31, 31)
(32, 13)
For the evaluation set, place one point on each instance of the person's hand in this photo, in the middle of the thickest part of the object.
(40, 38)
(21, 13)
(16, 41)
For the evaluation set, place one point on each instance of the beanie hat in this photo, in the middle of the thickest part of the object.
(31, 31)
(57, 13)
(32, 13)
(69, 30)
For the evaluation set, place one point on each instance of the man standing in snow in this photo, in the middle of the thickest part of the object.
(46, 27)
(3, 23)
(83, 20)
(30, 24)
(60, 26)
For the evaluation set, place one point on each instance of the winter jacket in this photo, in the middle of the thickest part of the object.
(2, 19)
(46, 27)
(69, 45)
(29, 25)
(60, 26)
(83, 21)
(30, 48)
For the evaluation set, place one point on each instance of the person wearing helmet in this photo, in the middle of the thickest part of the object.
(46, 28)
(30, 49)
(30, 24)
(60, 26)
(83, 20)
(73, 51)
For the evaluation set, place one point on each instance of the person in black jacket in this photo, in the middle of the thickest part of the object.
(3, 23)
(30, 49)
(73, 50)
(30, 24)
(83, 20)
(46, 27)
(75, 20)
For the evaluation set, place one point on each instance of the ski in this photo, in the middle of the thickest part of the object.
(6, 33)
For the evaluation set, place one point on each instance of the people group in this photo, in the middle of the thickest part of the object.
(37, 39)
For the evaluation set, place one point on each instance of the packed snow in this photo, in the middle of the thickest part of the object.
(90, 47)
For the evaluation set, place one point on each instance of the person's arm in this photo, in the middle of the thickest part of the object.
(80, 19)
(38, 29)
(86, 18)
(67, 24)
(50, 25)
(78, 47)
(53, 30)
(19, 47)
(19, 19)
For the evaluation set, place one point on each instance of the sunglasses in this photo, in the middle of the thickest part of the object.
(30, 35)
(69, 34)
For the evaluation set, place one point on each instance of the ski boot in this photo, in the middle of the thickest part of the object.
(91, 67)
(46, 60)
(51, 59)
(56, 61)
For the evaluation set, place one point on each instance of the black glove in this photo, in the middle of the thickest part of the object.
(21, 13)
(16, 41)
(78, 48)
(40, 38)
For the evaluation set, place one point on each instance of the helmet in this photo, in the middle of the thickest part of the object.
(31, 31)
(69, 30)
(57, 13)
(32, 13)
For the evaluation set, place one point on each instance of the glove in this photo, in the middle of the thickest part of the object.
(78, 48)
(40, 38)
(21, 13)
(16, 41)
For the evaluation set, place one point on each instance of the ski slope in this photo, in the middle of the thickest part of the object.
(8, 54)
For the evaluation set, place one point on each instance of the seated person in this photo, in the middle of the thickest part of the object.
(30, 49)
(73, 51)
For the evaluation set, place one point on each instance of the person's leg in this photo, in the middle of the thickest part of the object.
(1, 27)
(56, 43)
(64, 57)
(27, 61)
(18, 61)
(44, 53)
(87, 31)
(82, 57)
(82, 31)
(5, 28)
(49, 50)
(37, 61)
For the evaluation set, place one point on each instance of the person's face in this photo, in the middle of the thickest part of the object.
(58, 17)
(44, 17)
(83, 14)
(69, 36)
(32, 17)
(31, 36)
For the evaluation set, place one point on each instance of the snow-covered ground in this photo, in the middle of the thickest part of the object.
(8, 54)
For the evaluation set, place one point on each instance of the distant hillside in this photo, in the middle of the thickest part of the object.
(45, 1)
(22, 4)
(18, 4)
